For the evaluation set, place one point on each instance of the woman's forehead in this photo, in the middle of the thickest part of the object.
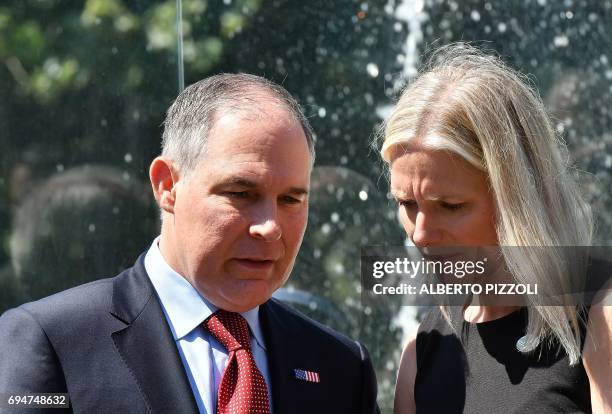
(438, 171)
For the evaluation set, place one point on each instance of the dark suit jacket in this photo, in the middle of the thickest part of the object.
(108, 345)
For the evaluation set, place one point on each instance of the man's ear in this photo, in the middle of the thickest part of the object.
(164, 178)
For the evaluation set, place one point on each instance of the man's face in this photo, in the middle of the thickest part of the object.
(240, 216)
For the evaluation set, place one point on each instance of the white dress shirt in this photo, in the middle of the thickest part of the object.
(203, 357)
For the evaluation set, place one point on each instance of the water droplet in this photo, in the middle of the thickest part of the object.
(561, 41)
(475, 15)
(335, 217)
(322, 112)
(560, 127)
(502, 27)
(92, 228)
(372, 69)
(128, 158)
(363, 195)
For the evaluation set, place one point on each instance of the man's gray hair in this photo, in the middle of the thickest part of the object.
(192, 115)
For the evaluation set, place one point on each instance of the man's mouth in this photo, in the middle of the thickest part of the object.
(255, 264)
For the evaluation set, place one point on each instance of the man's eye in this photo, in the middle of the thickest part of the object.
(290, 200)
(237, 194)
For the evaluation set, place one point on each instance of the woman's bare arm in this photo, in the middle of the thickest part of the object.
(597, 355)
(404, 387)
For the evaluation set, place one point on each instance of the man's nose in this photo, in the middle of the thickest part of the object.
(426, 232)
(266, 226)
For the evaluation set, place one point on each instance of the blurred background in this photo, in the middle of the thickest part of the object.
(84, 86)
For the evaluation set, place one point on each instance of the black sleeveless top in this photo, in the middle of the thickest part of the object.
(476, 368)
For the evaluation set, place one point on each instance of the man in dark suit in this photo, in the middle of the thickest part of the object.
(192, 326)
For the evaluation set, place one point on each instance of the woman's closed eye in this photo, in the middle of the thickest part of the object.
(452, 206)
(410, 204)
(407, 203)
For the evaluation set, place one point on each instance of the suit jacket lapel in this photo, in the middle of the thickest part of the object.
(146, 344)
(281, 349)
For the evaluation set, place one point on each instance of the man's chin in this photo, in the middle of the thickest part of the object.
(248, 294)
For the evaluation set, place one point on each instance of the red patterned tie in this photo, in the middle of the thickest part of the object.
(242, 389)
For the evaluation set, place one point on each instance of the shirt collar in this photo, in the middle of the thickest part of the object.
(185, 307)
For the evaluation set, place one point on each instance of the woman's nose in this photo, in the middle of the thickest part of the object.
(425, 231)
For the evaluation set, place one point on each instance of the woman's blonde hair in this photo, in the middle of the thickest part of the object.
(472, 104)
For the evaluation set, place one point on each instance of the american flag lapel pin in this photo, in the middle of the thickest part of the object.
(308, 376)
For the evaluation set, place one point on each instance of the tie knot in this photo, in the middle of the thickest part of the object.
(230, 329)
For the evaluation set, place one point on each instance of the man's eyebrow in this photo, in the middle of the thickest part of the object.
(246, 183)
(239, 181)
(298, 191)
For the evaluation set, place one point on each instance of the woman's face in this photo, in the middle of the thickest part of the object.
(443, 200)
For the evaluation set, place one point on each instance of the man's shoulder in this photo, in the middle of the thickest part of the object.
(71, 307)
(65, 310)
(310, 331)
(92, 295)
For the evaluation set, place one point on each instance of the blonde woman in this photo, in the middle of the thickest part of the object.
(473, 161)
